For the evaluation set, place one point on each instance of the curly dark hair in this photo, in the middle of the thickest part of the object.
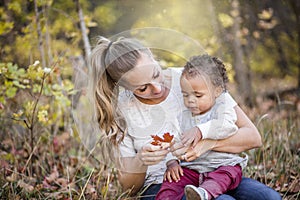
(213, 67)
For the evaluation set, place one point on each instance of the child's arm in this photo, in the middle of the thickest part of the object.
(222, 126)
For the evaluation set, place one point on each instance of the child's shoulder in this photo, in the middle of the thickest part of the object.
(227, 99)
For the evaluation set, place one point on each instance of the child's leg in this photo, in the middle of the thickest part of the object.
(221, 180)
(175, 191)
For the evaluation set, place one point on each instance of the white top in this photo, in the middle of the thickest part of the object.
(217, 123)
(144, 120)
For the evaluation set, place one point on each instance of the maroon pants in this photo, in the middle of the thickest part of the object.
(215, 183)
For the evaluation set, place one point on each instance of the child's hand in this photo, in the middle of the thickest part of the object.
(173, 172)
(191, 137)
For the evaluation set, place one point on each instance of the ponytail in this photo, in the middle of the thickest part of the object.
(109, 62)
(222, 69)
(104, 95)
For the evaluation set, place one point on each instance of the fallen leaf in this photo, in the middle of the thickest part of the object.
(53, 176)
(25, 186)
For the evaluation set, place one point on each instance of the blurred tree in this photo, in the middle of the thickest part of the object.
(240, 66)
(39, 33)
(268, 39)
(295, 6)
(84, 33)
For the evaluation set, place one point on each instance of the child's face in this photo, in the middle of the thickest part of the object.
(199, 94)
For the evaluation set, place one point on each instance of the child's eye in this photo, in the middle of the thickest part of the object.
(185, 95)
(199, 96)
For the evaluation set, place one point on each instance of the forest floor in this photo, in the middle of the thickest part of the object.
(59, 166)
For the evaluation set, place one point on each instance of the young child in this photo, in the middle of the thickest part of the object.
(211, 109)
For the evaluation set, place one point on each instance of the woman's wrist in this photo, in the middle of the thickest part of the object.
(199, 133)
(132, 165)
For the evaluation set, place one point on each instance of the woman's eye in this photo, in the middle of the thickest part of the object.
(143, 89)
(156, 75)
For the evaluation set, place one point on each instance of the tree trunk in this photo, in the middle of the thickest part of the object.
(39, 33)
(216, 26)
(242, 76)
(282, 61)
(47, 34)
(87, 46)
(295, 6)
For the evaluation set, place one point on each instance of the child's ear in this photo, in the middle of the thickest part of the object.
(218, 91)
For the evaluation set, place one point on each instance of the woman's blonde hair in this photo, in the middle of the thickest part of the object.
(109, 61)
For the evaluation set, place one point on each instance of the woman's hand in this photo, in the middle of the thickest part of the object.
(189, 153)
(173, 172)
(191, 136)
(200, 148)
(151, 154)
(178, 149)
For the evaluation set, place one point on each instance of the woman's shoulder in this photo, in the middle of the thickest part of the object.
(125, 98)
(176, 70)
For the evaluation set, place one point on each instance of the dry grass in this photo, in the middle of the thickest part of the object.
(60, 168)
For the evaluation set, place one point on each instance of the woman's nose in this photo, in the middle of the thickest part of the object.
(156, 87)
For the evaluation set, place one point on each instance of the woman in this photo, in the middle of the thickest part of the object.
(152, 104)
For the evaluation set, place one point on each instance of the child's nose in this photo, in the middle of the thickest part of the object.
(191, 99)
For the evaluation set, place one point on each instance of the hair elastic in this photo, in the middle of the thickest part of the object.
(109, 44)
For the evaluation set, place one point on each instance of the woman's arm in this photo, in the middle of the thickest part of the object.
(131, 173)
(247, 137)
(131, 182)
(132, 170)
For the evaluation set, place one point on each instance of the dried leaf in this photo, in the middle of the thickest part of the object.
(53, 176)
(25, 186)
(62, 182)
(295, 185)
(167, 138)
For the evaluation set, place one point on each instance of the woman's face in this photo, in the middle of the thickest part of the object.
(145, 80)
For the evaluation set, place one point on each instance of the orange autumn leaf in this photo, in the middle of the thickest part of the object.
(158, 140)
(168, 137)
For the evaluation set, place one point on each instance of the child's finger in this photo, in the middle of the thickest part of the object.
(177, 175)
(169, 178)
(181, 171)
(165, 176)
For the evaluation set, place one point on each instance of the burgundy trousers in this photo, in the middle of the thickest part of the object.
(215, 183)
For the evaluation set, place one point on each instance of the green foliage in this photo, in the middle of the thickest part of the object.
(106, 14)
(262, 66)
(225, 19)
(34, 81)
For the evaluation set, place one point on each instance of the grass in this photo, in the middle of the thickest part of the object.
(59, 167)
